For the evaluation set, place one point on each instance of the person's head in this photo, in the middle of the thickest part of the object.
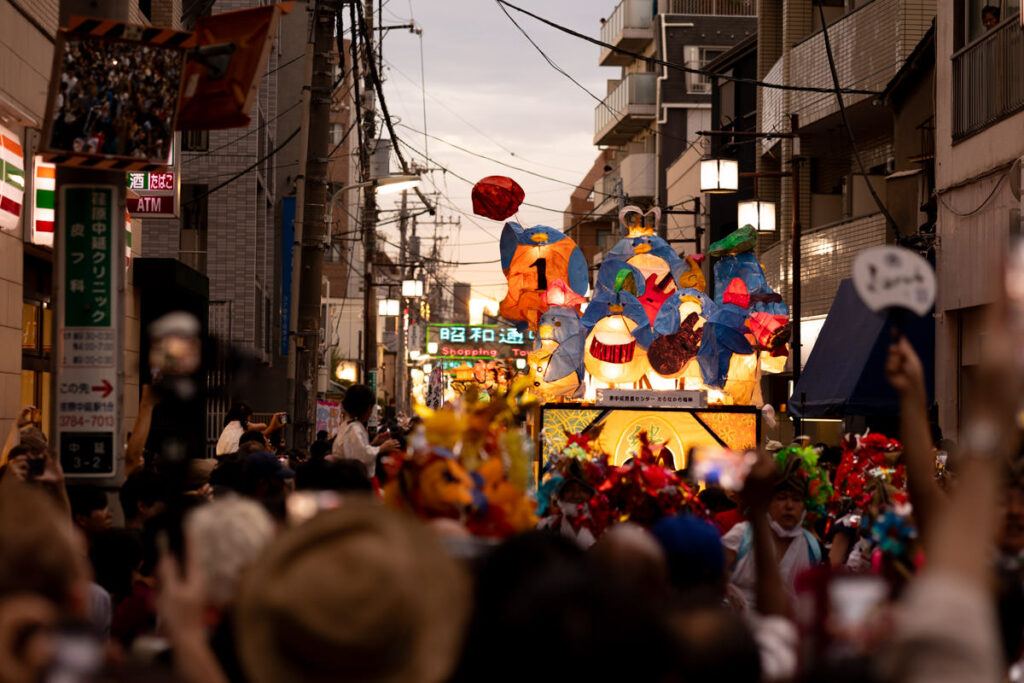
(227, 535)
(989, 16)
(263, 476)
(345, 476)
(322, 435)
(89, 509)
(318, 450)
(787, 507)
(693, 550)
(632, 554)
(43, 579)
(359, 402)
(715, 644)
(540, 587)
(253, 436)
(116, 554)
(403, 599)
(239, 412)
(144, 495)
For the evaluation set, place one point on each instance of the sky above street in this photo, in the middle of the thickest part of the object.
(488, 90)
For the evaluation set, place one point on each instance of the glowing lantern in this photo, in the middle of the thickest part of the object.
(532, 259)
(650, 254)
(679, 327)
(556, 365)
(615, 348)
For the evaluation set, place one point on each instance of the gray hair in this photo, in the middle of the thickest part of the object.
(227, 535)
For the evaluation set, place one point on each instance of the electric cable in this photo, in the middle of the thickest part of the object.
(246, 170)
(680, 67)
(846, 120)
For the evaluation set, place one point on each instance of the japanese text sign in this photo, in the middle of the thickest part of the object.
(478, 341)
(90, 354)
(89, 268)
(894, 277)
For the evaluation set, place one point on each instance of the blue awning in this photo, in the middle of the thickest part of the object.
(845, 374)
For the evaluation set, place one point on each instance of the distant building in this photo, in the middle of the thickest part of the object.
(463, 292)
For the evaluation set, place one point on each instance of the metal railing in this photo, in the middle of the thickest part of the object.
(634, 89)
(988, 79)
(725, 8)
(628, 14)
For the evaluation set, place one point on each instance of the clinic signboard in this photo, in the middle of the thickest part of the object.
(478, 342)
(91, 251)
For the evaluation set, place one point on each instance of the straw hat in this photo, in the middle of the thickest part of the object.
(359, 593)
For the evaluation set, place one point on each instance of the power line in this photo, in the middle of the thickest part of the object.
(846, 119)
(257, 129)
(246, 170)
(502, 163)
(680, 67)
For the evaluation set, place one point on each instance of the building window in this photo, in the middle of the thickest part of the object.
(36, 345)
(975, 18)
(987, 86)
(195, 140)
(194, 216)
(697, 58)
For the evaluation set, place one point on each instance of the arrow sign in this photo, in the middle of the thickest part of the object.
(104, 388)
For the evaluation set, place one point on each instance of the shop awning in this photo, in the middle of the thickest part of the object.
(845, 374)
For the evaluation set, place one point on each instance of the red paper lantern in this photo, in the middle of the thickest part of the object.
(497, 197)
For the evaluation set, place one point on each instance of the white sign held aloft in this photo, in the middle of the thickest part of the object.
(890, 277)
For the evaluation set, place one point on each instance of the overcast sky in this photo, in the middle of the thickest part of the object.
(490, 91)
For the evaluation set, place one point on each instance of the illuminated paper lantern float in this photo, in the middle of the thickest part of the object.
(619, 333)
(616, 275)
(556, 364)
(647, 252)
(678, 330)
(532, 259)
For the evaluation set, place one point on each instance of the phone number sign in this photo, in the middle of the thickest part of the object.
(88, 404)
(479, 341)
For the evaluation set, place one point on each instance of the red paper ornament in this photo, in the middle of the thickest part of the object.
(497, 197)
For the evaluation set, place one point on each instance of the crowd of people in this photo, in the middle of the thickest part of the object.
(116, 98)
(259, 565)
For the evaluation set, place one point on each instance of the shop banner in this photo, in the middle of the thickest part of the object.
(328, 417)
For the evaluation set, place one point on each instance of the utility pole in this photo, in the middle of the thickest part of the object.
(314, 228)
(401, 387)
(369, 216)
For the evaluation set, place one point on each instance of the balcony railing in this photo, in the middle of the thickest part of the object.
(627, 110)
(724, 8)
(629, 27)
(988, 79)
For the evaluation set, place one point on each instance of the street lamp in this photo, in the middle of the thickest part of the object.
(719, 176)
(389, 307)
(412, 288)
(758, 213)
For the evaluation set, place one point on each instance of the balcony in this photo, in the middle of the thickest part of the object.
(629, 28)
(638, 175)
(988, 79)
(721, 8)
(871, 43)
(626, 111)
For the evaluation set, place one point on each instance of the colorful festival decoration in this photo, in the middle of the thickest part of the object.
(649, 318)
(497, 197)
(556, 364)
(798, 467)
(470, 462)
(533, 259)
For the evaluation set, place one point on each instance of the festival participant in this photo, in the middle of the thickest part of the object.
(353, 441)
(799, 483)
(236, 423)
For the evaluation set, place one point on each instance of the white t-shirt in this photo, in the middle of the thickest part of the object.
(229, 437)
(796, 559)
(353, 441)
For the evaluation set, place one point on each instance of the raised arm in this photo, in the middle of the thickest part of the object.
(133, 458)
(772, 598)
(13, 436)
(905, 373)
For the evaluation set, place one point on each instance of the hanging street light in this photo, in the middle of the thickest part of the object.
(719, 176)
(758, 213)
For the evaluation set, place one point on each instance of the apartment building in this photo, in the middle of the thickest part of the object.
(979, 115)
(651, 114)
